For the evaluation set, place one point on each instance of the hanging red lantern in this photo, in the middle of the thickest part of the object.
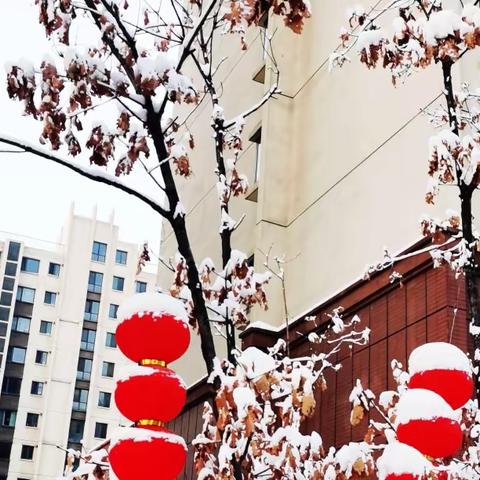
(149, 393)
(444, 369)
(139, 453)
(402, 462)
(153, 329)
(426, 422)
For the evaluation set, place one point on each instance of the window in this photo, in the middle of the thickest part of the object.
(8, 418)
(75, 434)
(30, 265)
(11, 385)
(45, 327)
(37, 388)
(6, 298)
(8, 283)
(95, 280)
(41, 357)
(140, 287)
(108, 369)
(3, 329)
(80, 398)
(104, 399)
(11, 269)
(5, 448)
(84, 369)
(25, 294)
(257, 139)
(118, 283)
(121, 257)
(88, 340)
(110, 340)
(112, 310)
(91, 310)
(13, 251)
(27, 452)
(16, 355)
(54, 269)
(32, 420)
(50, 298)
(4, 313)
(21, 324)
(101, 430)
(99, 252)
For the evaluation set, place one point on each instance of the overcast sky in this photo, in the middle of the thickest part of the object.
(35, 195)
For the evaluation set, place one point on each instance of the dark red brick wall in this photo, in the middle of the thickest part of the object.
(401, 317)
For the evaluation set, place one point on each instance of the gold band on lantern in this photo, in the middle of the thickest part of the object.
(149, 423)
(152, 361)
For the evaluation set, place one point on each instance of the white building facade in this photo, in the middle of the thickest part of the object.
(58, 354)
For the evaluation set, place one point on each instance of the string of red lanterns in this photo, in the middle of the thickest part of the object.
(153, 332)
(427, 423)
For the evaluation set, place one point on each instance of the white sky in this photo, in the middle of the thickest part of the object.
(35, 195)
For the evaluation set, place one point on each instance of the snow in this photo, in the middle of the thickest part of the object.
(398, 458)
(179, 210)
(144, 435)
(244, 397)
(349, 454)
(255, 362)
(442, 24)
(420, 404)
(369, 38)
(438, 356)
(128, 371)
(152, 303)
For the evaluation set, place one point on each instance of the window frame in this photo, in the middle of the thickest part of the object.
(26, 261)
(39, 384)
(50, 295)
(20, 294)
(97, 256)
(15, 321)
(30, 448)
(123, 257)
(122, 281)
(55, 269)
(42, 355)
(95, 287)
(91, 316)
(84, 343)
(12, 348)
(49, 329)
(105, 395)
(37, 418)
(106, 365)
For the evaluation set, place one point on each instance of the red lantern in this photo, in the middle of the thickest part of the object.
(153, 328)
(444, 369)
(427, 423)
(138, 453)
(402, 462)
(145, 393)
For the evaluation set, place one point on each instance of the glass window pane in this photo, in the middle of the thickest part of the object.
(104, 399)
(95, 280)
(91, 310)
(121, 257)
(16, 355)
(118, 283)
(6, 298)
(25, 294)
(140, 287)
(37, 388)
(8, 283)
(54, 269)
(110, 340)
(113, 311)
(101, 430)
(88, 340)
(50, 298)
(45, 327)
(11, 269)
(21, 324)
(76, 430)
(99, 251)
(32, 420)
(13, 251)
(30, 265)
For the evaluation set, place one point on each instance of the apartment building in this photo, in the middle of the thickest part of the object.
(58, 355)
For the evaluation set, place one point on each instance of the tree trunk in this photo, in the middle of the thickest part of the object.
(179, 228)
(200, 310)
(472, 271)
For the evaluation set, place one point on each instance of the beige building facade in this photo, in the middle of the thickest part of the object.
(58, 351)
(338, 172)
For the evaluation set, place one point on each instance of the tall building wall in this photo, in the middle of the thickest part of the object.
(59, 360)
(342, 164)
